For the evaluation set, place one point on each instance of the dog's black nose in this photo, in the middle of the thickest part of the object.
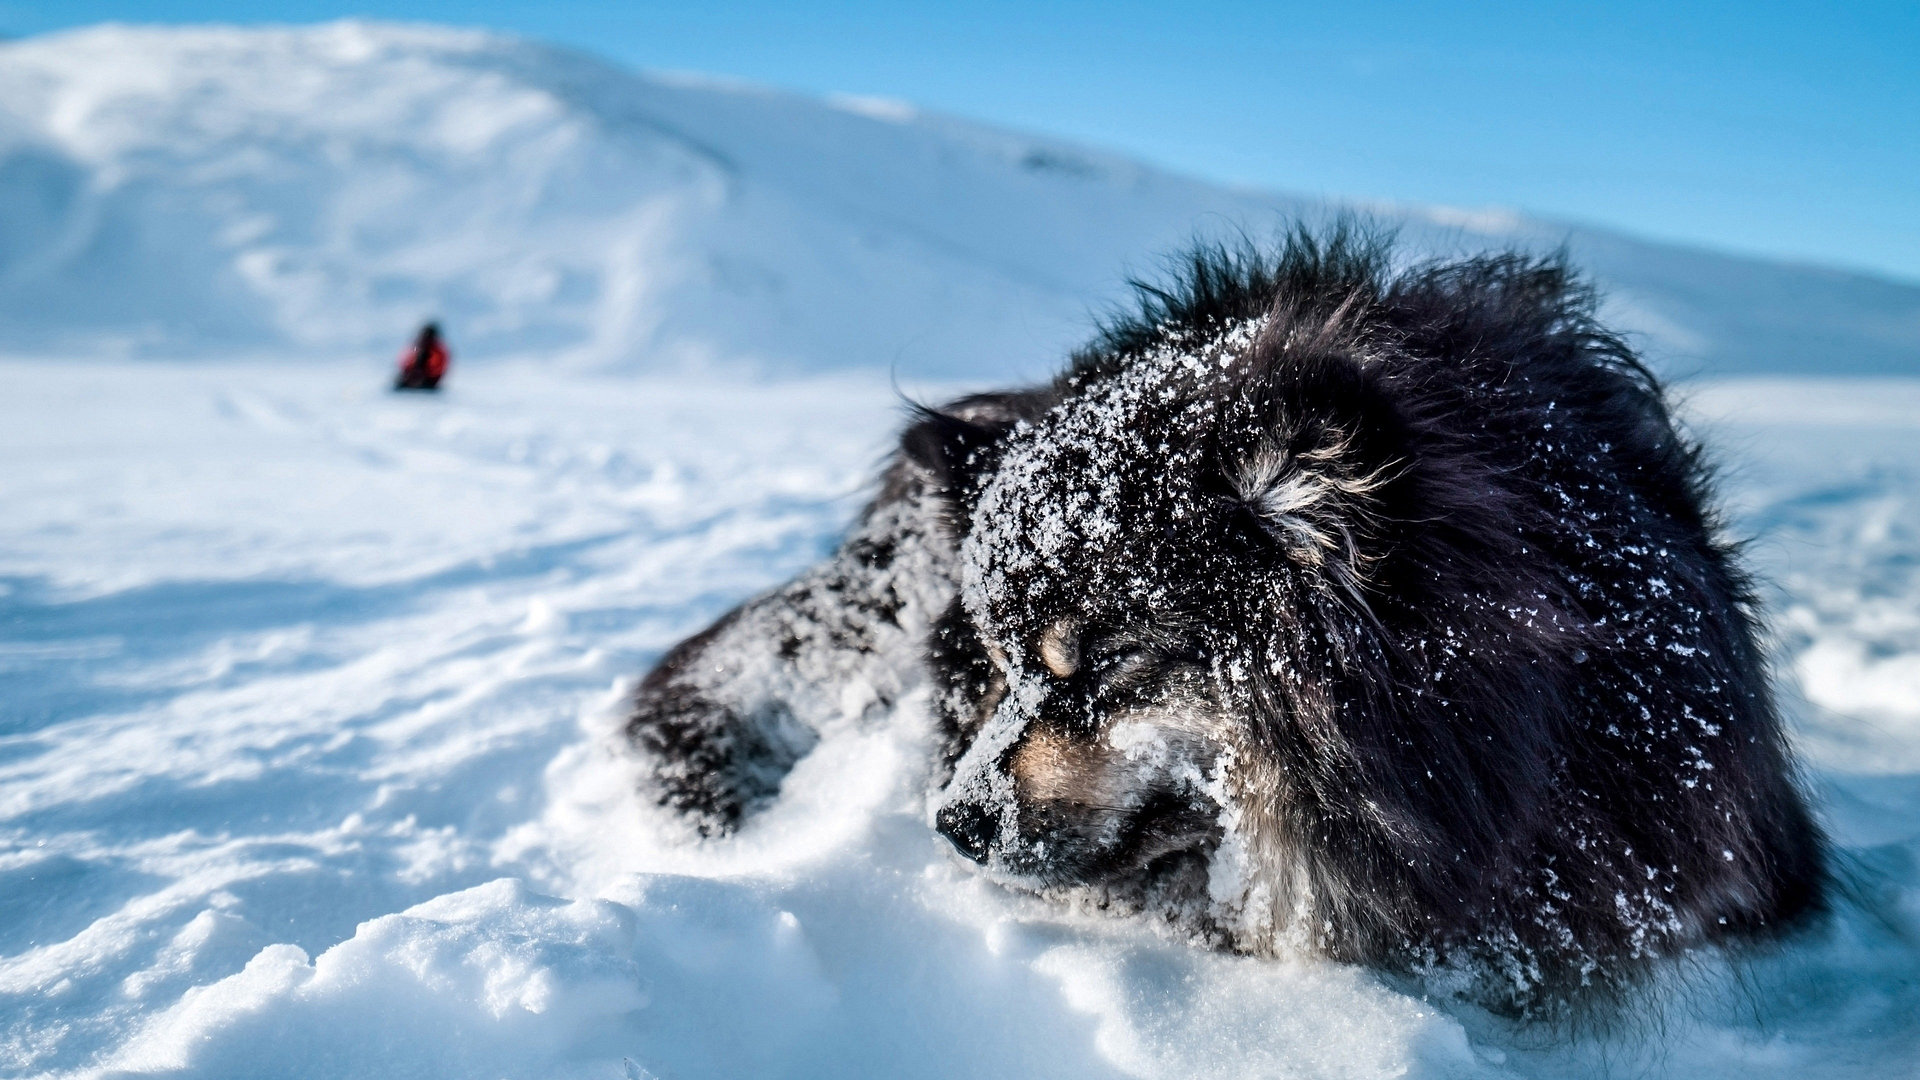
(970, 828)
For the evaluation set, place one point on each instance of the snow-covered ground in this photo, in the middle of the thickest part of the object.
(307, 694)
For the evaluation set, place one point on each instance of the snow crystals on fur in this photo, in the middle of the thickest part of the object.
(1326, 606)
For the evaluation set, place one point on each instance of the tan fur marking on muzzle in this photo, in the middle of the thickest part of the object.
(1050, 767)
(1060, 648)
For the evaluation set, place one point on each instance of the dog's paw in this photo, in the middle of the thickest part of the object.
(710, 763)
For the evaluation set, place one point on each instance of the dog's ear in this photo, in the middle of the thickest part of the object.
(1313, 464)
(1314, 505)
(957, 446)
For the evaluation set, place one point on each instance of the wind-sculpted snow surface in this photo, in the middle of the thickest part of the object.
(307, 694)
(309, 191)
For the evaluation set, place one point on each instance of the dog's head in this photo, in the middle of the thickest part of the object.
(1136, 569)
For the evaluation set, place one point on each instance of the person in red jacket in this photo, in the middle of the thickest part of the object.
(424, 363)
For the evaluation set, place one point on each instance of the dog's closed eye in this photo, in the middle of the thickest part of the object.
(1119, 664)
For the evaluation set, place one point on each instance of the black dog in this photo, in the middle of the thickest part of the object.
(1318, 606)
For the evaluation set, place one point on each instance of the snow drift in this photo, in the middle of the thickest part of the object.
(308, 698)
(318, 191)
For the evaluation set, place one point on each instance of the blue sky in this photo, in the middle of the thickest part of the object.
(1784, 130)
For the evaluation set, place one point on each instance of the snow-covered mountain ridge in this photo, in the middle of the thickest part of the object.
(315, 191)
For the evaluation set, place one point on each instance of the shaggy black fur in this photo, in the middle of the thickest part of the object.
(1321, 606)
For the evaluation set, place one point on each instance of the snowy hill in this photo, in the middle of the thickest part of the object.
(316, 191)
